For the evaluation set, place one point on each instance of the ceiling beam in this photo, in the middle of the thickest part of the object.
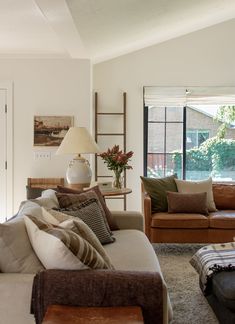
(58, 16)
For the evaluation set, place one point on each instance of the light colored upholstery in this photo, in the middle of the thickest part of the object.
(129, 220)
(130, 251)
(15, 292)
(134, 244)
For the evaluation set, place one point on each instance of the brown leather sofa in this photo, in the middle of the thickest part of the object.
(218, 227)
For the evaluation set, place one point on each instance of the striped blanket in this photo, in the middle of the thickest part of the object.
(212, 259)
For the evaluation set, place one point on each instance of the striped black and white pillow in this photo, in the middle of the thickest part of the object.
(90, 213)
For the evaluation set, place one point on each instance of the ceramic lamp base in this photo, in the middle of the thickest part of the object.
(79, 172)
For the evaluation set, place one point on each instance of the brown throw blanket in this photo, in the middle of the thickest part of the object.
(98, 288)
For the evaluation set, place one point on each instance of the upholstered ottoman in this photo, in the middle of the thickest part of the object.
(222, 296)
(215, 265)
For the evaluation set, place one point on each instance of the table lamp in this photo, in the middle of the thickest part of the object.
(77, 141)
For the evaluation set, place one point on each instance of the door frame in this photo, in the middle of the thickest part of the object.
(8, 86)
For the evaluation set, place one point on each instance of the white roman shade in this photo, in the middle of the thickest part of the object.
(190, 96)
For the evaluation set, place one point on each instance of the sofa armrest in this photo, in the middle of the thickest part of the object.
(147, 211)
(129, 220)
(99, 288)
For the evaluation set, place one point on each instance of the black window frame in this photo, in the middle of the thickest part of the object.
(165, 122)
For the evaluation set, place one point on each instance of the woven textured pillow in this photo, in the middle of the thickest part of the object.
(61, 248)
(90, 213)
(187, 203)
(110, 219)
(156, 189)
(71, 201)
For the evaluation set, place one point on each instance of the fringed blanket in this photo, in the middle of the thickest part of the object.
(212, 259)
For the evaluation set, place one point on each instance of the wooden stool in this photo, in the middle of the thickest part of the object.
(59, 314)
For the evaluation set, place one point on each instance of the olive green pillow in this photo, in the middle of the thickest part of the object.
(156, 188)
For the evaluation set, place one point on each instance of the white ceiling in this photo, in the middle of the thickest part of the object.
(101, 29)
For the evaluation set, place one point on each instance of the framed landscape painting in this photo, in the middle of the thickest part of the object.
(50, 130)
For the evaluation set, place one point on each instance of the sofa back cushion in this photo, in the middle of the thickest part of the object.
(224, 196)
(16, 253)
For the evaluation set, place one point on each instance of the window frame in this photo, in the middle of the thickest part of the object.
(165, 122)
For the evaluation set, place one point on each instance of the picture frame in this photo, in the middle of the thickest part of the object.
(49, 131)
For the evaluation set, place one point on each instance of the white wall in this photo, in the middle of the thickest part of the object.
(203, 58)
(44, 87)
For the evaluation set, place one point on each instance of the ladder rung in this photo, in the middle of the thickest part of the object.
(110, 134)
(104, 113)
(113, 197)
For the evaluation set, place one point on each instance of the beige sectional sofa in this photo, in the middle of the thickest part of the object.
(131, 251)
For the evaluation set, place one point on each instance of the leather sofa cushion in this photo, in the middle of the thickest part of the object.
(224, 196)
(223, 287)
(222, 219)
(165, 220)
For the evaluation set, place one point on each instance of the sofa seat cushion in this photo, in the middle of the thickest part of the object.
(132, 244)
(137, 254)
(16, 291)
(224, 288)
(222, 219)
(178, 220)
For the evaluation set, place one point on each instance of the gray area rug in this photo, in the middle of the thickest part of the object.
(189, 304)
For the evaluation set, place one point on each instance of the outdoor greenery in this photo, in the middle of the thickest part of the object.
(216, 153)
(215, 156)
(226, 115)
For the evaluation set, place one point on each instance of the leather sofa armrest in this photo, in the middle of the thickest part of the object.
(147, 211)
(129, 220)
(99, 288)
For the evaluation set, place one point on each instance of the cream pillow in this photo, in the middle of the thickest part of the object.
(184, 186)
(79, 227)
(60, 248)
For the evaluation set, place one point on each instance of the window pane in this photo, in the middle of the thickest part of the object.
(207, 153)
(174, 137)
(174, 164)
(156, 113)
(155, 165)
(174, 114)
(156, 138)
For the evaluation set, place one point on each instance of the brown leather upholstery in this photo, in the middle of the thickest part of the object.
(61, 314)
(222, 219)
(165, 220)
(179, 235)
(217, 235)
(224, 196)
(218, 227)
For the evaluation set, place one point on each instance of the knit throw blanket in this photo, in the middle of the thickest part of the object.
(99, 288)
(212, 259)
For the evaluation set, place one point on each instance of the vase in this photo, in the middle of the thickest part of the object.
(117, 180)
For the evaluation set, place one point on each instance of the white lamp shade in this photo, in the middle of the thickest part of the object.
(76, 141)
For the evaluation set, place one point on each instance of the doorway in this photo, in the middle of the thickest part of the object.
(6, 195)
